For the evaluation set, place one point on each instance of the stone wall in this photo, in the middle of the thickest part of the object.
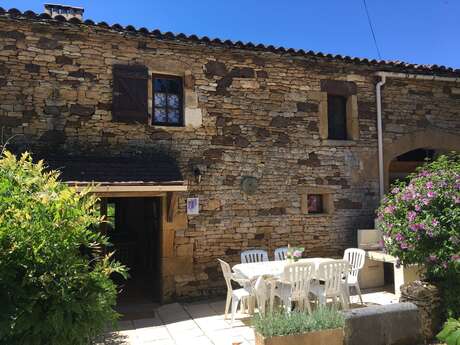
(248, 113)
(428, 301)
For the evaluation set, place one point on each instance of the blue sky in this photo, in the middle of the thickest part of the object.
(418, 31)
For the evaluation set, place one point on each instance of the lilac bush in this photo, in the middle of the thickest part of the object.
(420, 219)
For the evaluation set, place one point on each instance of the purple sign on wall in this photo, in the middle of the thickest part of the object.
(193, 206)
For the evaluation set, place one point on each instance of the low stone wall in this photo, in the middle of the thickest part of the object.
(427, 299)
(394, 324)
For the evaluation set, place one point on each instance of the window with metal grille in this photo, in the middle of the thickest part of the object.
(167, 100)
(337, 117)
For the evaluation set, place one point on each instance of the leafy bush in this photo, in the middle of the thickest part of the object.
(450, 332)
(54, 283)
(279, 323)
(420, 221)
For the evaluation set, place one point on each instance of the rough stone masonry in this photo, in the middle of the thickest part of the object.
(249, 111)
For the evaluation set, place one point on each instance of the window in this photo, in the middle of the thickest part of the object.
(337, 117)
(167, 100)
(315, 203)
(130, 95)
(317, 200)
(111, 209)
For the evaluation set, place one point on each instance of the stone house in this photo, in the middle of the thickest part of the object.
(279, 145)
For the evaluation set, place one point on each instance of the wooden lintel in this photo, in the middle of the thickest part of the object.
(171, 198)
(132, 190)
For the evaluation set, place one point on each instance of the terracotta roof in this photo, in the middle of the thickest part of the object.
(398, 66)
(156, 169)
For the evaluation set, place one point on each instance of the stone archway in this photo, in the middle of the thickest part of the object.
(428, 139)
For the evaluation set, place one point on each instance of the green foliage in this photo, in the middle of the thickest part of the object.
(420, 221)
(279, 323)
(450, 333)
(55, 285)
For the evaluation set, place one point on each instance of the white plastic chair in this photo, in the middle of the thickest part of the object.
(295, 285)
(281, 253)
(332, 273)
(261, 291)
(233, 296)
(355, 258)
(254, 255)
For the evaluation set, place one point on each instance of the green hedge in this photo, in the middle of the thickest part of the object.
(55, 285)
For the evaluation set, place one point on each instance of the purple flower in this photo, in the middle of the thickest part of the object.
(413, 227)
(431, 194)
(455, 257)
(411, 216)
(395, 190)
(430, 233)
(432, 258)
(426, 201)
(297, 253)
(434, 222)
(456, 199)
(407, 196)
(444, 264)
(429, 185)
(417, 208)
(389, 209)
(404, 245)
(399, 237)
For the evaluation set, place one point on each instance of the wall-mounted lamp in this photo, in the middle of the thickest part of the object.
(197, 173)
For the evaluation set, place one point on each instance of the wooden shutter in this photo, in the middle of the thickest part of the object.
(130, 93)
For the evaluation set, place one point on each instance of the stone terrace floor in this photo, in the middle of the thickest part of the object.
(200, 323)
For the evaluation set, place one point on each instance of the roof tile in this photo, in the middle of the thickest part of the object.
(397, 65)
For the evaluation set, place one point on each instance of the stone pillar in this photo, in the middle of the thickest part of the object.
(427, 299)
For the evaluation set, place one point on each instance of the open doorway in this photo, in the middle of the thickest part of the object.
(134, 231)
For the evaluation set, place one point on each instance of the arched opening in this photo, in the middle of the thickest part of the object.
(412, 149)
(408, 162)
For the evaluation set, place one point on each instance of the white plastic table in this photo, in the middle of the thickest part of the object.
(273, 269)
(254, 270)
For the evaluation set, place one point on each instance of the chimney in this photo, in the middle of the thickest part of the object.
(67, 12)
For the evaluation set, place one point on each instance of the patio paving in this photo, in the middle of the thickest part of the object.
(201, 323)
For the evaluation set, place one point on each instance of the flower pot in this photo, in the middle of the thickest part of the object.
(323, 337)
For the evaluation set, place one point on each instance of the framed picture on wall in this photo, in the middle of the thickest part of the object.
(193, 206)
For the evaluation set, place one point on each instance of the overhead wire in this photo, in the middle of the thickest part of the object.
(372, 29)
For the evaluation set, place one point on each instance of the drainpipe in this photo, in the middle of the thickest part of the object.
(378, 91)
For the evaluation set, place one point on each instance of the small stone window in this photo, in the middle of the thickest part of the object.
(167, 100)
(317, 200)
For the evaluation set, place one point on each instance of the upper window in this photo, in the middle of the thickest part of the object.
(337, 117)
(167, 100)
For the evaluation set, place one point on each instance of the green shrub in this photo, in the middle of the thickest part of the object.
(420, 221)
(450, 332)
(279, 323)
(55, 285)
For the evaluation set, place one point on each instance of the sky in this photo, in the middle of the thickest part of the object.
(416, 31)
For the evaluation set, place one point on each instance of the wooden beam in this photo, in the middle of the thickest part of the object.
(130, 194)
(133, 188)
(171, 198)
